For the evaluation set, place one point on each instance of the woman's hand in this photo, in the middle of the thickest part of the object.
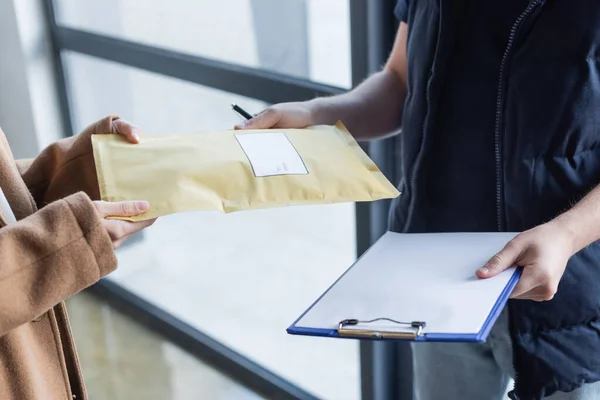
(119, 230)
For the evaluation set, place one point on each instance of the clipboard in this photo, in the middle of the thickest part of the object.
(416, 287)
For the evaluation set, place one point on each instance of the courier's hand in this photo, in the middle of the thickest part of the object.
(543, 253)
(119, 230)
(284, 115)
(127, 130)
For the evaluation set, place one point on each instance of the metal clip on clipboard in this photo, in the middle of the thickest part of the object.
(416, 326)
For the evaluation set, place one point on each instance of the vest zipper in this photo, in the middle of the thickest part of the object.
(500, 105)
(497, 142)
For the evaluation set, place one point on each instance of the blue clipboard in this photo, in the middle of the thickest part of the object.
(409, 329)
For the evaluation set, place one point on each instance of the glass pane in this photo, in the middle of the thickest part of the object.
(123, 360)
(304, 38)
(241, 278)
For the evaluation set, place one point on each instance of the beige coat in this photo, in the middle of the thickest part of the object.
(45, 257)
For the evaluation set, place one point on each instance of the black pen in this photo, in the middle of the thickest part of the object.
(243, 113)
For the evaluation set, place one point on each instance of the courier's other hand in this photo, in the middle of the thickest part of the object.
(284, 115)
(119, 230)
(127, 130)
(543, 252)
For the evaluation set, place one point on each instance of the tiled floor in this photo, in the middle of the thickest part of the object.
(123, 360)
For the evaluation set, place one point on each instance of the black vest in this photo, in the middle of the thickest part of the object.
(546, 156)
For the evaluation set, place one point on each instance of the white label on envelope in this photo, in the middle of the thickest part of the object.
(271, 154)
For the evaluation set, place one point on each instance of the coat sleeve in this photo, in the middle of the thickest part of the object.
(65, 167)
(49, 256)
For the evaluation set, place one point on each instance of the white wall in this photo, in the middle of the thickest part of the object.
(29, 108)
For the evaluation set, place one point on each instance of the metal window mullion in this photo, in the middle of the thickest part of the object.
(267, 86)
(59, 70)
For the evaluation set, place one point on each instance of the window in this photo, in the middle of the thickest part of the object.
(242, 278)
(304, 38)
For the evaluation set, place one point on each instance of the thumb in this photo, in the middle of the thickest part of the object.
(500, 262)
(265, 120)
(129, 131)
(124, 208)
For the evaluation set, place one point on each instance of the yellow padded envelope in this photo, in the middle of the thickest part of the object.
(238, 170)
